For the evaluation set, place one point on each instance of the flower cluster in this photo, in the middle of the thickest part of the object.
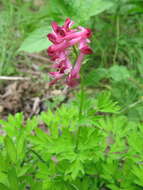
(63, 39)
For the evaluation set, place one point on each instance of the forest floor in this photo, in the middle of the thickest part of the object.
(29, 91)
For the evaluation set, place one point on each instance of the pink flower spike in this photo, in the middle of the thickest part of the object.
(63, 38)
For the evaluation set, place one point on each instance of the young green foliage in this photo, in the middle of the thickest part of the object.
(42, 153)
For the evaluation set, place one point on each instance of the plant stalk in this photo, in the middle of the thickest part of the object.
(80, 114)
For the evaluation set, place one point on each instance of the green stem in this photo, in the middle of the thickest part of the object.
(117, 38)
(74, 186)
(132, 105)
(81, 101)
(75, 51)
(117, 17)
(38, 156)
(80, 114)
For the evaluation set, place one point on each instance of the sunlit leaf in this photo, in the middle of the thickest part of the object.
(36, 41)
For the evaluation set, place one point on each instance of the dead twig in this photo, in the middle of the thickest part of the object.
(13, 78)
(39, 57)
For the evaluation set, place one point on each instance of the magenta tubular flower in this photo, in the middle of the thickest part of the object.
(74, 75)
(58, 29)
(86, 50)
(57, 48)
(62, 46)
(82, 34)
(67, 25)
(54, 39)
(63, 39)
